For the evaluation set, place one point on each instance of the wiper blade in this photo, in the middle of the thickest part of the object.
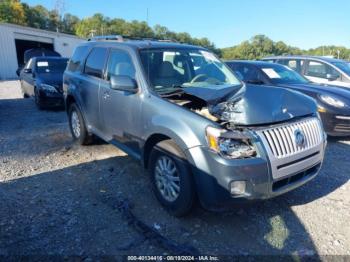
(176, 91)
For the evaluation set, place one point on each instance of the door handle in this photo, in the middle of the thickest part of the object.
(106, 95)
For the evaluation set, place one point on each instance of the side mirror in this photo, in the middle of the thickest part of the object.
(331, 77)
(124, 83)
(27, 70)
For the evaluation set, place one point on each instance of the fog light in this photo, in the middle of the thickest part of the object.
(237, 187)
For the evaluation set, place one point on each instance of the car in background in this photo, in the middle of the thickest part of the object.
(41, 78)
(322, 70)
(333, 101)
(35, 52)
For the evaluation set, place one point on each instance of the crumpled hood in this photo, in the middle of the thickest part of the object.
(254, 104)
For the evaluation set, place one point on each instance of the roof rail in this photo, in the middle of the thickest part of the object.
(118, 38)
(122, 38)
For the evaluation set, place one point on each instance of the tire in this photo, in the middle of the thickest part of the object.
(25, 95)
(77, 126)
(178, 200)
(37, 99)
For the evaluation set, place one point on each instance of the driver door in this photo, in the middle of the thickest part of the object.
(121, 110)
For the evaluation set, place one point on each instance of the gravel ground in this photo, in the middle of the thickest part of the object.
(58, 198)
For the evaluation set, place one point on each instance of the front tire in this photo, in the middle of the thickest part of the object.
(77, 126)
(171, 178)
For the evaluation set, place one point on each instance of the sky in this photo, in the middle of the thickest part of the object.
(301, 23)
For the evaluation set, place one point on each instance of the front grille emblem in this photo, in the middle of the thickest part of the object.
(300, 139)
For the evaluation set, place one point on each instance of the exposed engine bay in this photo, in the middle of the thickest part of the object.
(238, 108)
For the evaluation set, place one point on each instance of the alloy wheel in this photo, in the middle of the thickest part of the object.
(167, 178)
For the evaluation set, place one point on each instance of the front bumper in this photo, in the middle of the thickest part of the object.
(336, 124)
(50, 99)
(266, 176)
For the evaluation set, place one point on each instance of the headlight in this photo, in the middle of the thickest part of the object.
(230, 144)
(330, 100)
(48, 88)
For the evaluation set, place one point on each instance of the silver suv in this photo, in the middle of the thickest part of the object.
(200, 132)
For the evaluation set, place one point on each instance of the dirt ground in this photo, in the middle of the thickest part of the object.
(58, 198)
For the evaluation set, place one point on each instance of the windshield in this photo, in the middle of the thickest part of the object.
(173, 69)
(283, 75)
(51, 66)
(344, 66)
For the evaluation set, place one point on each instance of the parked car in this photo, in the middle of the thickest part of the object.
(35, 52)
(333, 101)
(322, 70)
(197, 128)
(42, 78)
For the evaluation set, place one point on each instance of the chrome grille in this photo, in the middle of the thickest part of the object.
(282, 139)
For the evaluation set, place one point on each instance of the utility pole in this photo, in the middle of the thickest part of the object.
(338, 51)
(59, 9)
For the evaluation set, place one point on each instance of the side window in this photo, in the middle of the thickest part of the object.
(316, 69)
(79, 54)
(292, 64)
(29, 64)
(95, 62)
(120, 64)
(333, 74)
(248, 73)
(295, 64)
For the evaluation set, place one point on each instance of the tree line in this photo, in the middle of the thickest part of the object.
(17, 12)
(261, 46)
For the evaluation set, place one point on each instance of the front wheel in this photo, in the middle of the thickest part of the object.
(77, 126)
(171, 178)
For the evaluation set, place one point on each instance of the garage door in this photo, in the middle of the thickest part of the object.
(34, 38)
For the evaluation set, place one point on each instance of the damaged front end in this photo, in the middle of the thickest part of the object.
(238, 109)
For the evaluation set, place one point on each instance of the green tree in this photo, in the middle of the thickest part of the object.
(36, 16)
(12, 11)
(69, 23)
(95, 25)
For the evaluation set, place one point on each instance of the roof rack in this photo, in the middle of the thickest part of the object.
(118, 38)
(123, 38)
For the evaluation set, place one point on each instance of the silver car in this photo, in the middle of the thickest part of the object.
(200, 132)
(318, 69)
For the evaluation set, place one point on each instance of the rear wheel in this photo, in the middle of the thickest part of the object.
(77, 126)
(171, 178)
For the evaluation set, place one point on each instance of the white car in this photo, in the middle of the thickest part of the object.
(322, 70)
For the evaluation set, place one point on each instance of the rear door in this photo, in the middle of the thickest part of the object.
(120, 110)
(89, 85)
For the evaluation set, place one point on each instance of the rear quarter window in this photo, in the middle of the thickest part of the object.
(77, 59)
(95, 62)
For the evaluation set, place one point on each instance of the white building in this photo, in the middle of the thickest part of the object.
(15, 39)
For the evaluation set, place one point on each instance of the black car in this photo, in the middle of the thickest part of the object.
(333, 101)
(35, 52)
(42, 79)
